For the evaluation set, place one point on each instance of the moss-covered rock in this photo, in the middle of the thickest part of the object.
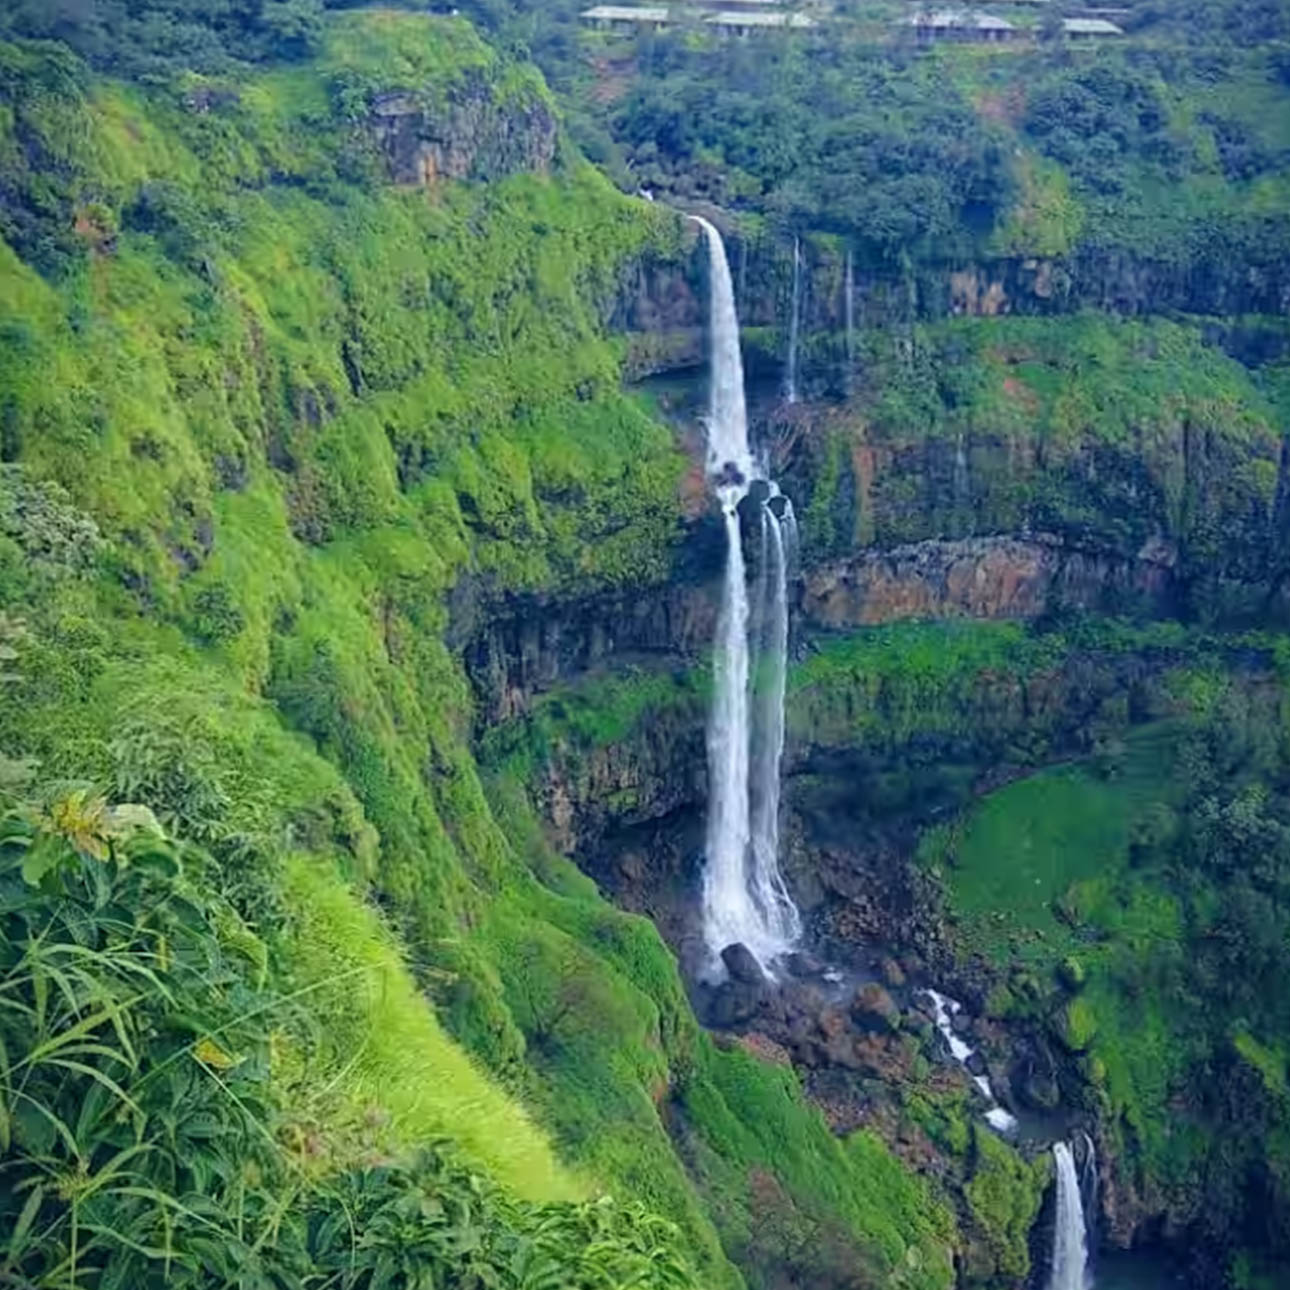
(1075, 1025)
(1003, 1194)
(1072, 973)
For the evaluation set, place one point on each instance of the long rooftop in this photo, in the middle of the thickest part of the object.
(1091, 27)
(742, 18)
(959, 20)
(624, 13)
(731, 18)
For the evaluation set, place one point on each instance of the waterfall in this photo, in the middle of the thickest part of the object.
(1088, 1176)
(962, 486)
(729, 461)
(778, 530)
(1070, 1245)
(744, 897)
(849, 303)
(794, 325)
(944, 1007)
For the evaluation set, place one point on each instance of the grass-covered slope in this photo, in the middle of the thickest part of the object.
(265, 410)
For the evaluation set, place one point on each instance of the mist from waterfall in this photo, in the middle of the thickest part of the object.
(744, 897)
(1070, 1240)
(794, 326)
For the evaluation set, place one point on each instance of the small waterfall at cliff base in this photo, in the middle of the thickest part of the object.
(794, 326)
(744, 897)
(1070, 1241)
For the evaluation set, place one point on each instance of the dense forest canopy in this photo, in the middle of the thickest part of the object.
(158, 37)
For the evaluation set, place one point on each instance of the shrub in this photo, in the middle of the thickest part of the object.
(146, 1139)
(216, 616)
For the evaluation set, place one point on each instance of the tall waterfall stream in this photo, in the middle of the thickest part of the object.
(744, 896)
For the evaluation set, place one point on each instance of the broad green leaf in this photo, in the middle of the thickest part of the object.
(42, 857)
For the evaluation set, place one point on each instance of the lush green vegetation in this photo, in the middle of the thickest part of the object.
(280, 386)
(325, 1008)
(158, 37)
(265, 414)
(1170, 143)
(1137, 906)
(1115, 432)
(171, 1115)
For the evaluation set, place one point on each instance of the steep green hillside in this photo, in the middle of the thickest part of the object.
(292, 360)
(1135, 909)
(1095, 813)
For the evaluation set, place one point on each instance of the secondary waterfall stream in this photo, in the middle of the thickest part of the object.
(770, 645)
(794, 326)
(744, 897)
(849, 309)
(944, 1007)
(1070, 1241)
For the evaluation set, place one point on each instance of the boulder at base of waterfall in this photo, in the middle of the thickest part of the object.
(735, 1002)
(1040, 1091)
(892, 972)
(800, 1006)
(742, 965)
(839, 1040)
(975, 1064)
(805, 967)
(874, 1009)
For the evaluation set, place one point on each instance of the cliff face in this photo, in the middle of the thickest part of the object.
(662, 306)
(986, 578)
(473, 131)
(515, 646)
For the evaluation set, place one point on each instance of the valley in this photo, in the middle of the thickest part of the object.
(728, 737)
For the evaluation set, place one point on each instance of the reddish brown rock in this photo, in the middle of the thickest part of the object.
(990, 577)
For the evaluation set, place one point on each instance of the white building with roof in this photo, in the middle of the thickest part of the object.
(961, 25)
(625, 17)
(741, 24)
(1084, 28)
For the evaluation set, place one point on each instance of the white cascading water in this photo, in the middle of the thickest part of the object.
(1070, 1242)
(1088, 1178)
(999, 1119)
(849, 305)
(794, 326)
(744, 898)
(770, 639)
